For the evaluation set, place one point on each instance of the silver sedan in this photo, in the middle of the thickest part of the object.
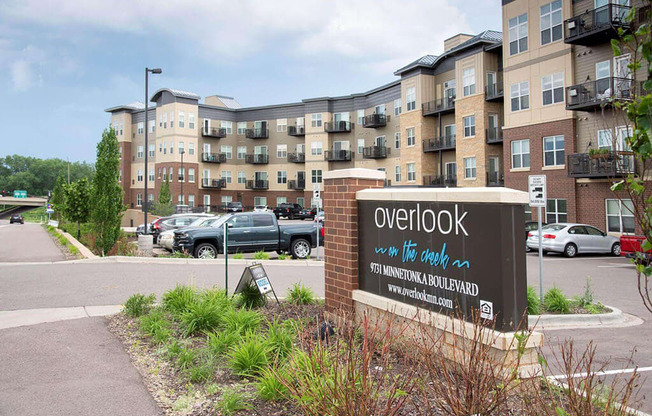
(572, 239)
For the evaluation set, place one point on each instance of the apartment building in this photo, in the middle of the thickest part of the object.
(443, 112)
(560, 73)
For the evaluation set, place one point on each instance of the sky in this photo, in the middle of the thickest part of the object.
(62, 62)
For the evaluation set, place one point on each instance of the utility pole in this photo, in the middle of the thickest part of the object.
(146, 204)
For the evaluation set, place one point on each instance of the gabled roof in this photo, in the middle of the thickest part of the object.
(229, 102)
(134, 106)
(176, 93)
(425, 61)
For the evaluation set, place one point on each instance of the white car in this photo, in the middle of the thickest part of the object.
(262, 208)
(571, 239)
(166, 238)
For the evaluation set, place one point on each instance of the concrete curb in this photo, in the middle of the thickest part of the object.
(163, 260)
(615, 318)
(26, 317)
(83, 250)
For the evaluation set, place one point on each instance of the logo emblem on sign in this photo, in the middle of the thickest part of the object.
(486, 309)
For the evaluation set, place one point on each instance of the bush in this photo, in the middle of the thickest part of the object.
(178, 299)
(249, 358)
(280, 340)
(270, 385)
(250, 298)
(555, 301)
(301, 295)
(155, 325)
(238, 256)
(138, 304)
(200, 316)
(219, 343)
(283, 256)
(201, 372)
(232, 401)
(532, 301)
(261, 255)
(180, 255)
(241, 321)
(186, 358)
(217, 296)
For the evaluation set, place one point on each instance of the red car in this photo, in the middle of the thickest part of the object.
(630, 247)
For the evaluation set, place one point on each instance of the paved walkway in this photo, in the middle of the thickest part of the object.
(27, 242)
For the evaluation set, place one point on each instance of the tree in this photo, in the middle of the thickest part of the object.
(76, 207)
(163, 207)
(38, 176)
(58, 199)
(638, 110)
(164, 196)
(107, 194)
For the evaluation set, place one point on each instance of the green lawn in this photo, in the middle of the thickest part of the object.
(35, 215)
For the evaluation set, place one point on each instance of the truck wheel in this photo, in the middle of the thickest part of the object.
(615, 249)
(300, 248)
(206, 251)
(291, 216)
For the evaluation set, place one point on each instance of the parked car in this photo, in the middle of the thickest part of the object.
(531, 226)
(248, 232)
(572, 239)
(262, 208)
(140, 230)
(319, 217)
(234, 207)
(166, 239)
(16, 218)
(289, 210)
(630, 247)
(174, 222)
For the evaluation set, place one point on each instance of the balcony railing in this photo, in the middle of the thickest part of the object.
(375, 120)
(296, 130)
(387, 183)
(375, 152)
(494, 135)
(439, 143)
(257, 184)
(494, 92)
(297, 185)
(596, 26)
(214, 132)
(260, 133)
(296, 157)
(440, 181)
(213, 183)
(213, 157)
(495, 179)
(338, 155)
(256, 159)
(338, 127)
(610, 165)
(442, 105)
(593, 94)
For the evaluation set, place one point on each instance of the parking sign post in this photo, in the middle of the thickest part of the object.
(226, 258)
(538, 196)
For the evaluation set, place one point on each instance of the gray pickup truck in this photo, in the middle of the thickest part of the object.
(248, 232)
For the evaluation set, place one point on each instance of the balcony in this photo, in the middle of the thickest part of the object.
(438, 143)
(338, 127)
(296, 130)
(296, 157)
(257, 159)
(215, 132)
(297, 185)
(387, 183)
(610, 165)
(338, 155)
(440, 106)
(260, 133)
(495, 179)
(257, 184)
(440, 181)
(375, 120)
(213, 183)
(213, 157)
(494, 92)
(375, 152)
(596, 26)
(591, 95)
(494, 135)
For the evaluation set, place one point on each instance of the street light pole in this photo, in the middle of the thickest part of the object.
(146, 204)
(183, 173)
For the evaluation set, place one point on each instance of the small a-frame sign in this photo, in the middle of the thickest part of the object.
(256, 274)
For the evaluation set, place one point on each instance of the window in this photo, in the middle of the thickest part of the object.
(260, 200)
(553, 151)
(520, 95)
(397, 106)
(620, 216)
(260, 220)
(165, 174)
(552, 87)
(469, 126)
(551, 22)
(150, 197)
(165, 120)
(397, 140)
(152, 150)
(228, 125)
(605, 139)
(241, 152)
(152, 175)
(301, 121)
(380, 109)
(281, 177)
(160, 120)
(139, 153)
(207, 200)
(228, 151)
(191, 174)
(172, 147)
(139, 129)
(191, 120)
(191, 200)
(165, 148)
(182, 147)
(152, 125)
(171, 119)
(242, 128)
(181, 200)
(171, 170)
(301, 201)
(602, 70)
(282, 151)
(397, 177)
(182, 174)
(360, 117)
(469, 167)
(468, 80)
(139, 199)
(206, 174)
(226, 199)
(518, 34)
(316, 148)
(411, 139)
(315, 120)
(242, 177)
(556, 211)
(182, 119)
(521, 154)
(281, 124)
(191, 148)
(140, 175)
(411, 172)
(226, 174)
(360, 146)
(411, 98)
(316, 176)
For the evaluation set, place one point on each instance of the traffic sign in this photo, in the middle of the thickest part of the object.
(20, 194)
(316, 191)
(537, 190)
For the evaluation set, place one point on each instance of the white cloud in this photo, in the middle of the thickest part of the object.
(22, 75)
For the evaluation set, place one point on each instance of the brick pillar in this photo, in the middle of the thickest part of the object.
(341, 232)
